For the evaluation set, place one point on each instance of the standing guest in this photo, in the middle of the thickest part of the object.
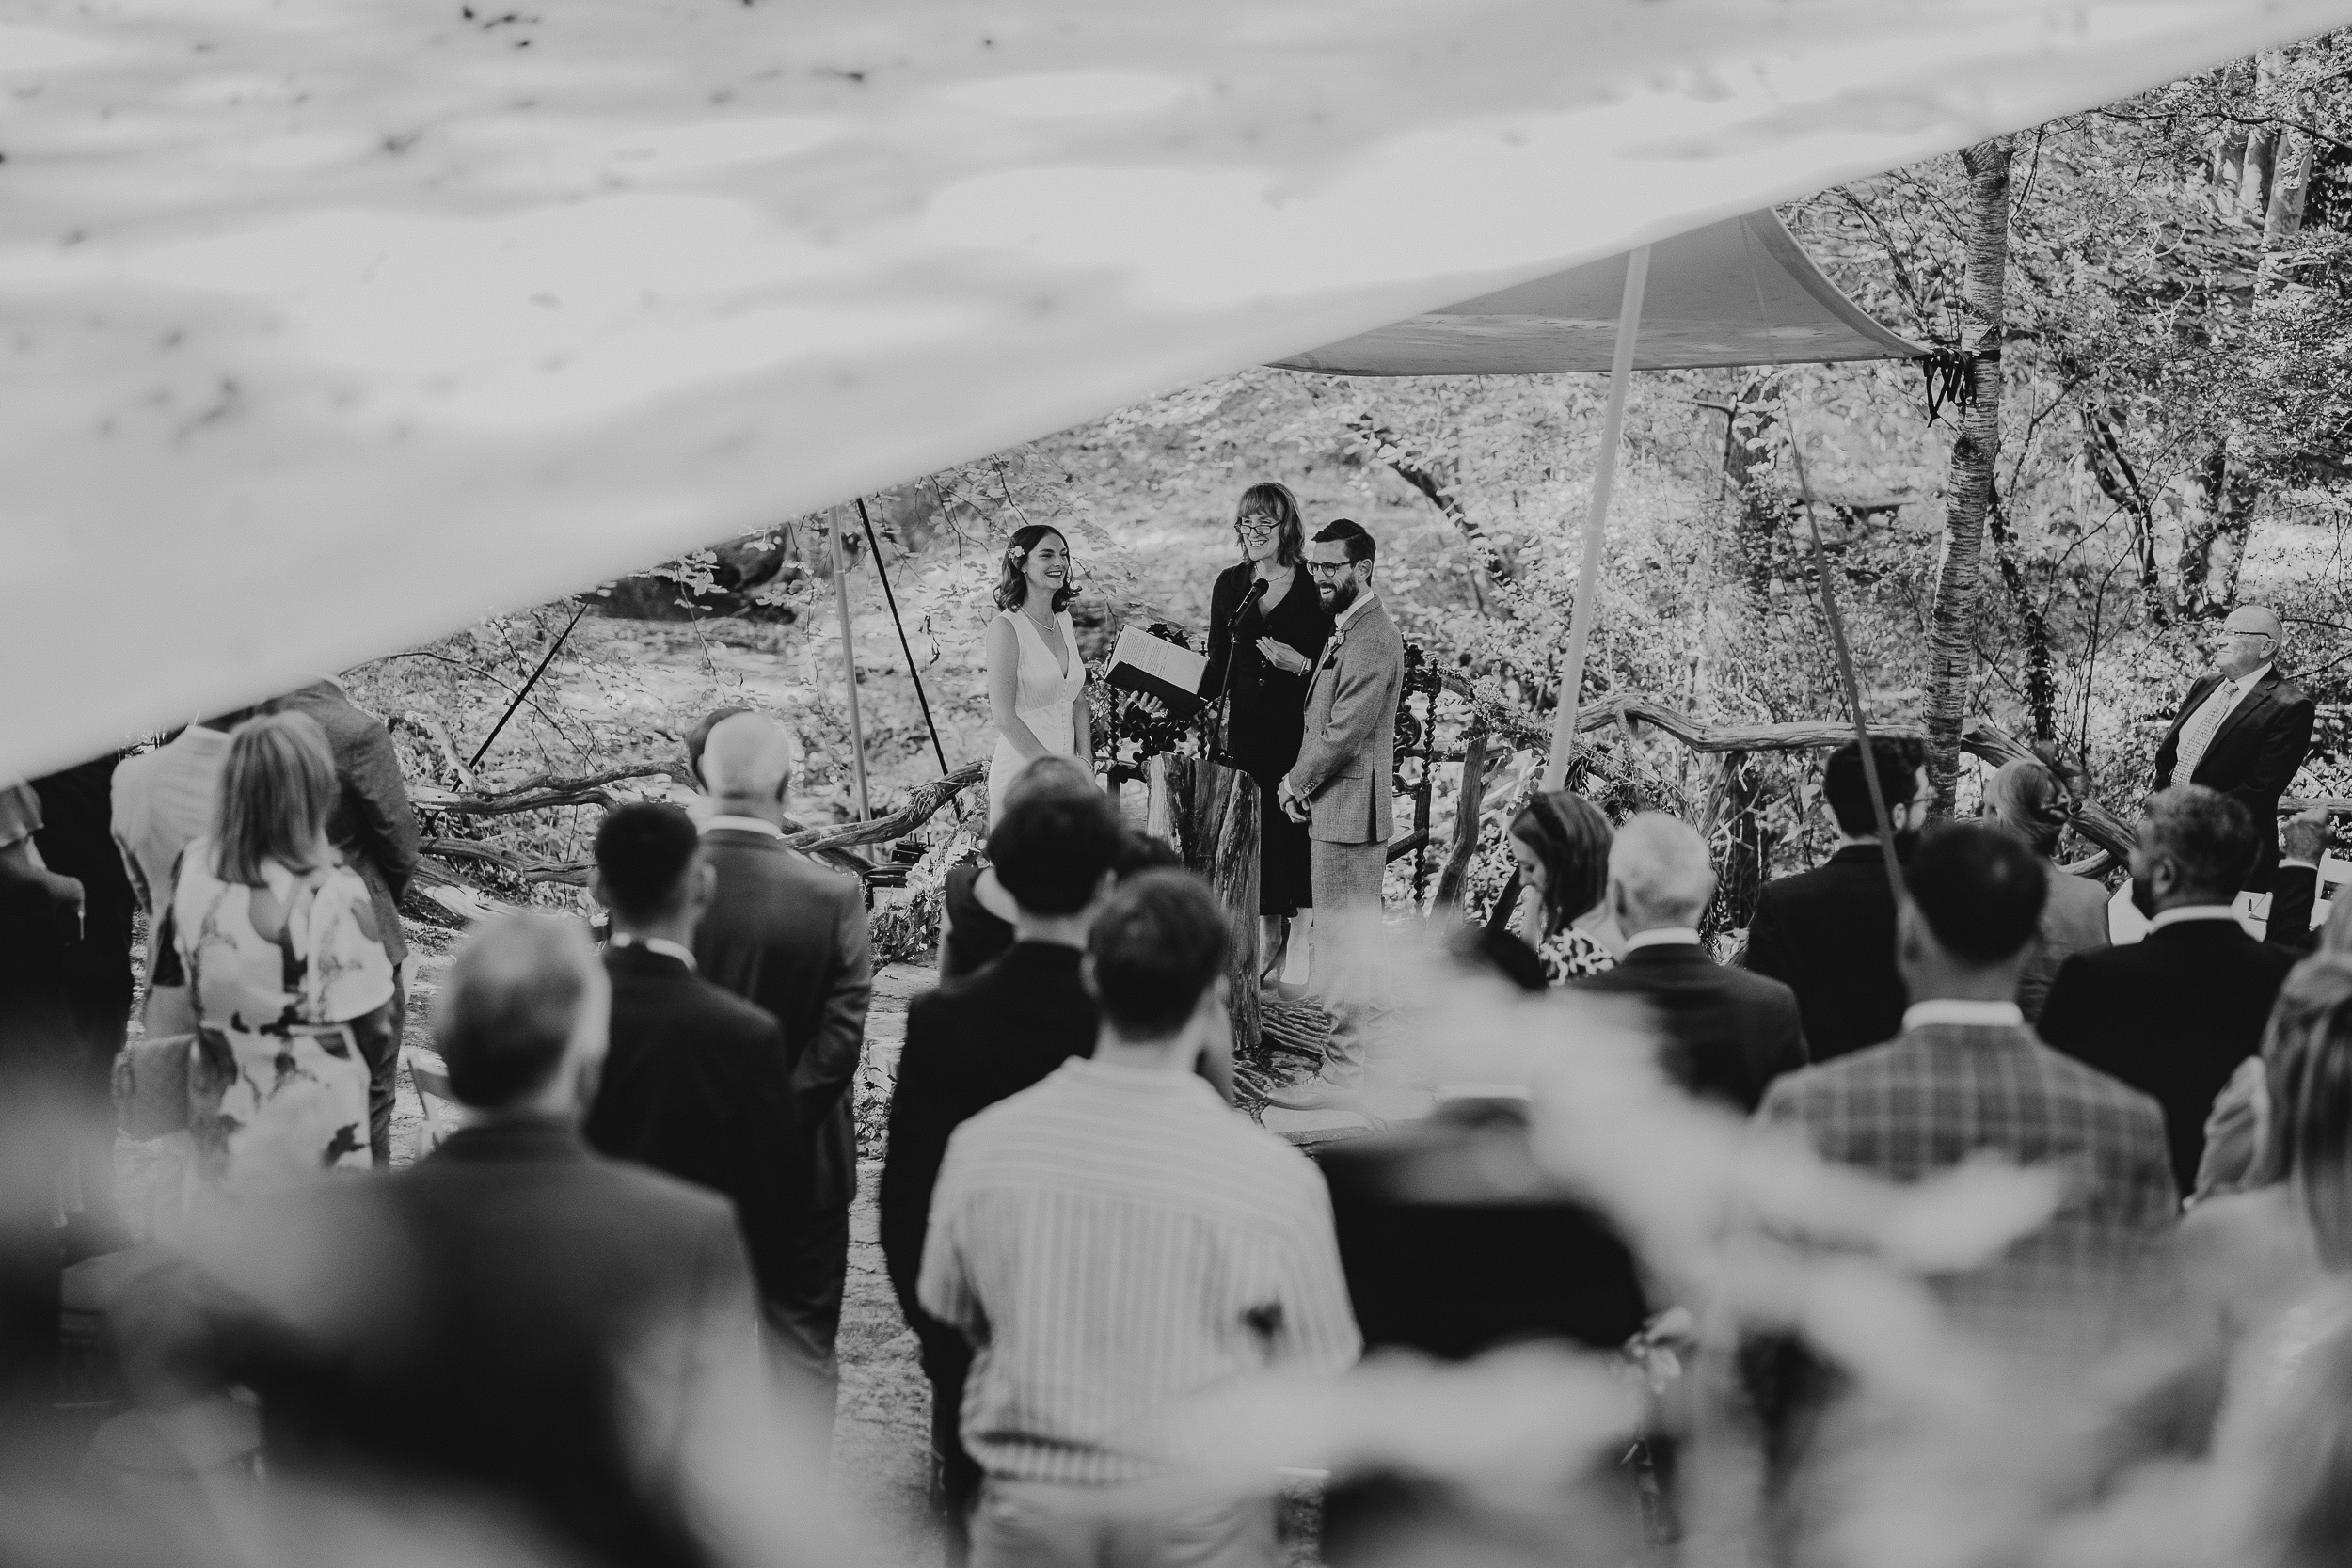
(1115, 1241)
(2175, 1015)
(1340, 785)
(41, 912)
(1266, 624)
(697, 1082)
(2305, 841)
(164, 799)
(512, 1320)
(988, 1035)
(1828, 934)
(1036, 682)
(2242, 730)
(2023, 796)
(789, 936)
(976, 913)
(269, 955)
(1966, 1077)
(374, 830)
(1560, 845)
(1725, 1034)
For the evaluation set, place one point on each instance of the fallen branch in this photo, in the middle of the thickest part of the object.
(540, 792)
(922, 803)
(531, 868)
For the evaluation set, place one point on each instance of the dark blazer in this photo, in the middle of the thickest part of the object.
(697, 1084)
(526, 1301)
(969, 1044)
(1268, 714)
(373, 824)
(1828, 934)
(1723, 1033)
(2252, 757)
(2171, 1016)
(1446, 1254)
(789, 935)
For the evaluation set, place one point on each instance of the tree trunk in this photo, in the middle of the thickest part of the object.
(1969, 488)
(2216, 516)
(1235, 878)
(1465, 813)
(1749, 467)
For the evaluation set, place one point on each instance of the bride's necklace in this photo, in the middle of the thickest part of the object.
(1044, 623)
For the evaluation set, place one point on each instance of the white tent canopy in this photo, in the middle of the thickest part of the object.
(1738, 292)
(331, 326)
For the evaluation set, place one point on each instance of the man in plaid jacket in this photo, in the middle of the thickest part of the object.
(1966, 1077)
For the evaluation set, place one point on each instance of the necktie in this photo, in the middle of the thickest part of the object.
(2199, 732)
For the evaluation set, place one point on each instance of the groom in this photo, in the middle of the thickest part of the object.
(1339, 787)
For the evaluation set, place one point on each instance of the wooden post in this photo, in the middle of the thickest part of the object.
(1421, 797)
(848, 661)
(1233, 876)
(1465, 823)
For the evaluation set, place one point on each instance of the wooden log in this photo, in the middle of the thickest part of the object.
(1466, 815)
(923, 802)
(1234, 877)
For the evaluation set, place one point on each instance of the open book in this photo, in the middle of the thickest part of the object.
(1152, 667)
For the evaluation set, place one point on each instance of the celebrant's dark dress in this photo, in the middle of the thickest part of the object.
(1268, 717)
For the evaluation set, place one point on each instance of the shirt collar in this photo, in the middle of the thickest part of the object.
(1974, 1015)
(2252, 679)
(2192, 912)
(1664, 935)
(724, 823)
(663, 945)
(1363, 601)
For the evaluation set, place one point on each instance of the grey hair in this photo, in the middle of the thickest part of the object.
(1661, 865)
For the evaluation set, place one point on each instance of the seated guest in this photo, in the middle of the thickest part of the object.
(1965, 1078)
(2023, 796)
(789, 936)
(697, 1082)
(1560, 844)
(1725, 1033)
(2175, 1015)
(268, 953)
(1116, 1240)
(2247, 1255)
(512, 1322)
(1828, 934)
(2307, 838)
(991, 1033)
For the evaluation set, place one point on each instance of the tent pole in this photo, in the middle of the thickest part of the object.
(848, 660)
(1597, 521)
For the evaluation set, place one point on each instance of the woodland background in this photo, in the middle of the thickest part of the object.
(2152, 304)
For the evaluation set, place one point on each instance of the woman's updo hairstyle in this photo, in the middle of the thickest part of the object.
(1290, 524)
(1012, 582)
(1571, 836)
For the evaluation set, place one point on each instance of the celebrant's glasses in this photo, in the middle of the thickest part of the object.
(1257, 524)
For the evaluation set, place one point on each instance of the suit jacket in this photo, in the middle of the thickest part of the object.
(969, 1044)
(2252, 756)
(1347, 756)
(788, 935)
(542, 1327)
(1828, 934)
(2073, 919)
(1445, 1254)
(1932, 1097)
(2171, 1016)
(1724, 1033)
(373, 824)
(697, 1084)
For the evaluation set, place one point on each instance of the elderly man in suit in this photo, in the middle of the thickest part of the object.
(1340, 785)
(1724, 1033)
(2243, 730)
(2175, 1015)
(789, 935)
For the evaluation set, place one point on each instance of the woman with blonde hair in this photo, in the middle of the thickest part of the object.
(268, 954)
(1036, 682)
(2023, 797)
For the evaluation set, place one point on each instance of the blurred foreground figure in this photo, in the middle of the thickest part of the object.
(512, 1322)
(1725, 1034)
(2176, 1014)
(788, 936)
(1117, 1240)
(1966, 1077)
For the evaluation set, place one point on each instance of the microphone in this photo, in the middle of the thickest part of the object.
(1257, 590)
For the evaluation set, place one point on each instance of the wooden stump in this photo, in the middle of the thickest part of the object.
(1234, 877)
(1457, 860)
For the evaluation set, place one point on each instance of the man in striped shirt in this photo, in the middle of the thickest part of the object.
(1116, 1240)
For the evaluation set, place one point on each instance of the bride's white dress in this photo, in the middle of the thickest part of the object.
(1047, 696)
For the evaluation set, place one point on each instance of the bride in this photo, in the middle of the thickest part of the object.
(1036, 680)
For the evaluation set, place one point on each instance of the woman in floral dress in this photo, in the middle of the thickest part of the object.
(268, 954)
(1560, 842)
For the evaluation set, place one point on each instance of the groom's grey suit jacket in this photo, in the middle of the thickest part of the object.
(1348, 755)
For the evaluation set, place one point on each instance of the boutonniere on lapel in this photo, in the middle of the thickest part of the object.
(1332, 649)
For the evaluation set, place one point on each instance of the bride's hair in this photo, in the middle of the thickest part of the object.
(1290, 526)
(1012, 582)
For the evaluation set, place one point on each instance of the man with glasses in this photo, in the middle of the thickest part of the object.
(2242, 731)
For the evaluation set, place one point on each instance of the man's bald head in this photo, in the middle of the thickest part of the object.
(2250, 637)
(748, 760)
(1659, 874)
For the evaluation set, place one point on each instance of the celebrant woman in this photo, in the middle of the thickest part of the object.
(1036, 680)
(1266, 624)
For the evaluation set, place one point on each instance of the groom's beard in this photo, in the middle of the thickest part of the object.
(1343, 594)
